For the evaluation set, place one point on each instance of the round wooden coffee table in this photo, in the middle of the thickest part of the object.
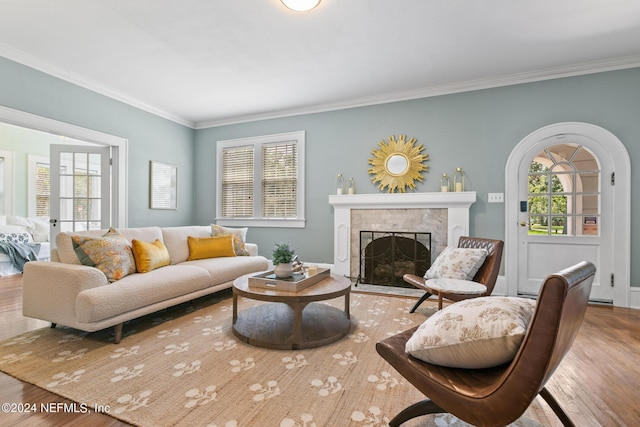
(292, 320)
(454, 286)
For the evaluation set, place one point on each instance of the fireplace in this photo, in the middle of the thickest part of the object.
(386, 256)
(445, 214)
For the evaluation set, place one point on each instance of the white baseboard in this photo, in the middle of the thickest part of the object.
(634, 294)
(634, 298)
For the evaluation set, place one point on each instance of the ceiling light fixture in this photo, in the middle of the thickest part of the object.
(300, 5)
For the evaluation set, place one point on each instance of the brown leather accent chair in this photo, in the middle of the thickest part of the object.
(487, 274)
(500, 395)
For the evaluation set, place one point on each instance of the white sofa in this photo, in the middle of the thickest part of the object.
(63, 291)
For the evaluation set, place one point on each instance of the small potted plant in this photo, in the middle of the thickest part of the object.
(282, 257)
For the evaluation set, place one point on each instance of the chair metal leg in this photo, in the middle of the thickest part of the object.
(423, 407)
(420, 301)
(555, 406)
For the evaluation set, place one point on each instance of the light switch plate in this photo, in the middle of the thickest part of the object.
(495, 198)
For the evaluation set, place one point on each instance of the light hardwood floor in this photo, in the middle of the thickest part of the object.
(597, 383)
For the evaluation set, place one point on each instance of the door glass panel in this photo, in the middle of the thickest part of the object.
(80, 186)
(66, 162)
(564, 186)
(94, 186)
(94, 209)
(94, 164)
(558, 225)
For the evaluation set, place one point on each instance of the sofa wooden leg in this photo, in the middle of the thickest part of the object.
(118, 333)
(53, 325)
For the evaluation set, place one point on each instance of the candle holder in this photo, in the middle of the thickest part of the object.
(458, 180)
(351, 186)
(445, 182)
(339, 184)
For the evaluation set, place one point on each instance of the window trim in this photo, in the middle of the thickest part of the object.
(257, 142)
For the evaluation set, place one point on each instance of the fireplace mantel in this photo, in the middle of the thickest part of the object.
(456, 203)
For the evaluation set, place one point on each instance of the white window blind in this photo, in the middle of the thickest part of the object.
(279, 180)
(260, 181)
(43, 189)
(237, 182)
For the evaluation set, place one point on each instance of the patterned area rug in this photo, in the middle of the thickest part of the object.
(183, 366)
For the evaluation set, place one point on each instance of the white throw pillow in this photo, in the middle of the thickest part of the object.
(457, 263)
(475, 333)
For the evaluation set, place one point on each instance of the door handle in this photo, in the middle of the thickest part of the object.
(523, 223)
(53, 222)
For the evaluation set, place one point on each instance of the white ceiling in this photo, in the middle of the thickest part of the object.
(210, 62)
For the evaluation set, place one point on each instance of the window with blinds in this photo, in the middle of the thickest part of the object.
(43, 189)
(237, 182)
(279, 180)
(260, 181)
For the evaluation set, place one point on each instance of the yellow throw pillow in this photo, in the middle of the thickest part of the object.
(149, 256)
(210, 247)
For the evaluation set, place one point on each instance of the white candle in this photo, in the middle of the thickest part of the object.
(444, 188)
(458, 186)
(339, 190)
(352, 191)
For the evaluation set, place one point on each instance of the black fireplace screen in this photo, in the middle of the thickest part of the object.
(386, 256)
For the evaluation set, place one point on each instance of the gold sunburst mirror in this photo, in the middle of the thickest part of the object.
(397, 164)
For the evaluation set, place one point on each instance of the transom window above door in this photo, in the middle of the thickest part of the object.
(564, 192)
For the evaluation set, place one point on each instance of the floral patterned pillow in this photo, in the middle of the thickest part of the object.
(110, 254)
(473, 334)
(239, 237)
(457, 263)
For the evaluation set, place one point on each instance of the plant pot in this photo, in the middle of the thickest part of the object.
(283, 270)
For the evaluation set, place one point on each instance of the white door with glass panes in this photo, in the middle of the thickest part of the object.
(566, 201)
(80, 188)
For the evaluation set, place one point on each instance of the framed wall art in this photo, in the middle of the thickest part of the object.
(163, 183)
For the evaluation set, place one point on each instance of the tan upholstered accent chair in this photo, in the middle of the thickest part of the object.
(487, 274)
(500, 395)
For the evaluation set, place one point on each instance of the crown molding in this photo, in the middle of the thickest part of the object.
(468, 86)
(78, 80)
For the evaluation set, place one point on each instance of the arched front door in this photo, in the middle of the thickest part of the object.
(568, 200)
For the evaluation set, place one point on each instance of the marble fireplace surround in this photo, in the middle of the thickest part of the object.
(457, 218)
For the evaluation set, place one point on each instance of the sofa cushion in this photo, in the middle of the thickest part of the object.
(149, 256)
(66, 252)
(227, 269)
(473, 334)
(457, 263)
(239, 237)
(110, 253)
(210, 247)
(139, 290)
(175, 239)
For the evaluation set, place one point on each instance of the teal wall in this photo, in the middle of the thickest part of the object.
(150, 137)
(474, 130)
